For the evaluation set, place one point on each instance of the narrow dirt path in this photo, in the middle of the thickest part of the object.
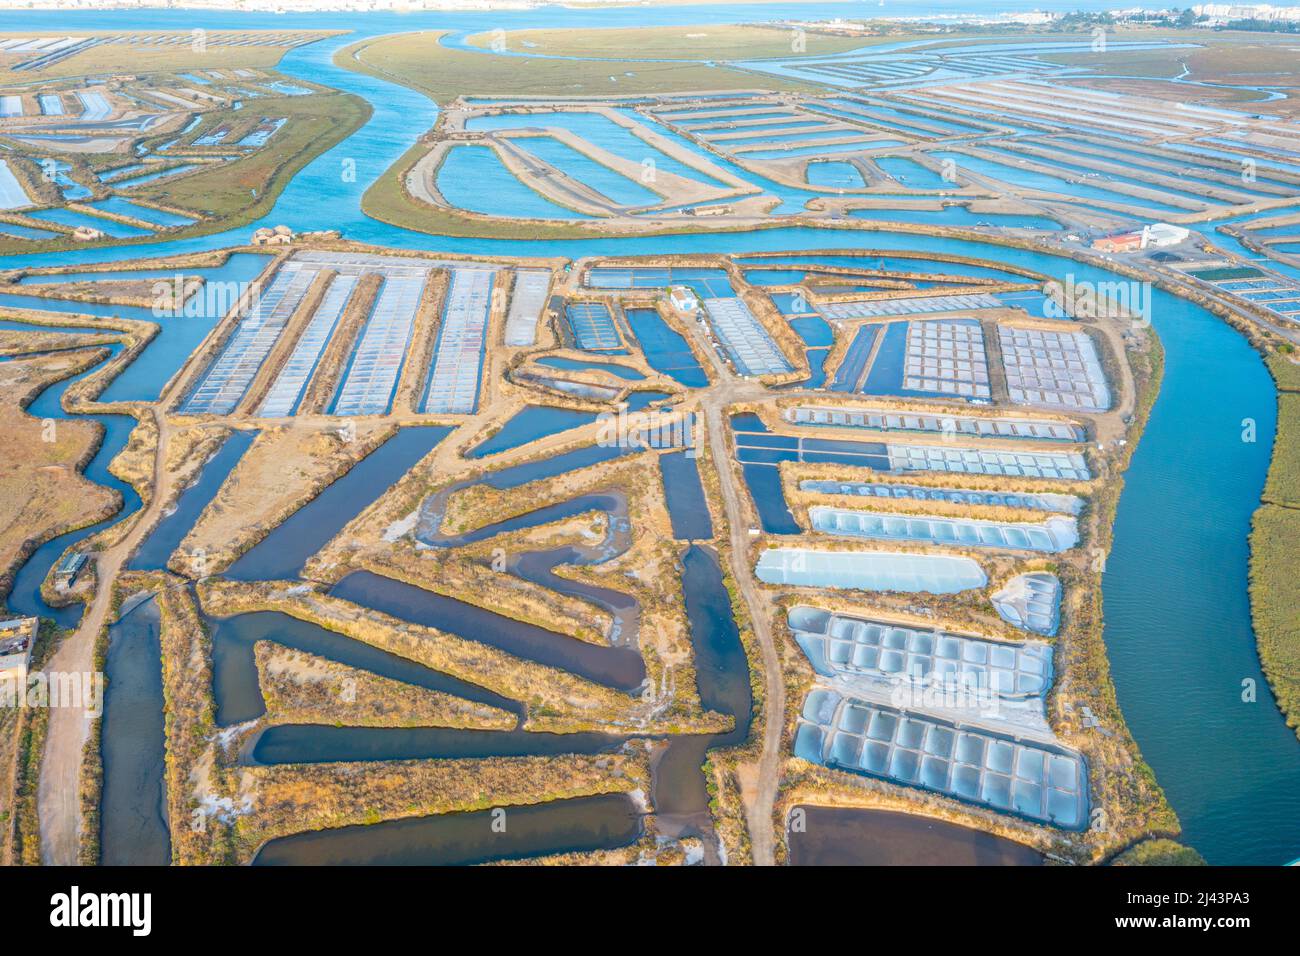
(759, 782)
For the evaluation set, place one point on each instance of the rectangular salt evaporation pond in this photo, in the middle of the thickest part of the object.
(529, 424)
(831, 174)
(841, 646)
(224, 383)
(910, 306)
(458, 356)
(1070, 466)
(264, 131)
(12, 194)
(974, 426)
(704, 282)
(687, 506)
(665, 349)
(946, 357)
(131, 182)
(377, 361)
(1030, 501)
(1019, 176)
(124, 207)
(956, 215)
(600, 131)
(94, 106)
(744, 127)
(527, 300)
(911, 173)
(1038, 781)
(281, 554)
(848, 377)
(763, 135)
(610, 183)
(286, 392)
(1051, 536)
(108, 227)
(1055, 369)
(473, 178)
(592, 326)
(25, 232)
(747, 342)
(870, 570)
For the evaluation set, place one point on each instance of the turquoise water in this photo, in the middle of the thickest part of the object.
(599, 131)
(26, 232)
(911, 173)
(473, 178)
(835, 175)
(1175, 586)
(1023, 178)
(124, 207)
(133, 181)
(604, 180)
(1083, 168)
(1230, 769)
(108, 227)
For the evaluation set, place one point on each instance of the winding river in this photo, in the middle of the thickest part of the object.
(1178, 627)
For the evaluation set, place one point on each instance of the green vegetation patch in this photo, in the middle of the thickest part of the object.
(1226, 272)
(1159, 852)
(420, 61)
(700, 42)
(1274, 597)
(235, 189)
(1283, 485)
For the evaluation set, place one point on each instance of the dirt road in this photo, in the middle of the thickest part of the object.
(759, 782)
(58, 792)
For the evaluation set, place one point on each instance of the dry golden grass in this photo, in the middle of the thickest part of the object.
(294, 799)
(302, 688)
(42, 490)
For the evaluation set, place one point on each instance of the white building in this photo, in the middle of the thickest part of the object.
(1163, 234)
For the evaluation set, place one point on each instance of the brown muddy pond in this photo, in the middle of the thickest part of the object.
(835, 836)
